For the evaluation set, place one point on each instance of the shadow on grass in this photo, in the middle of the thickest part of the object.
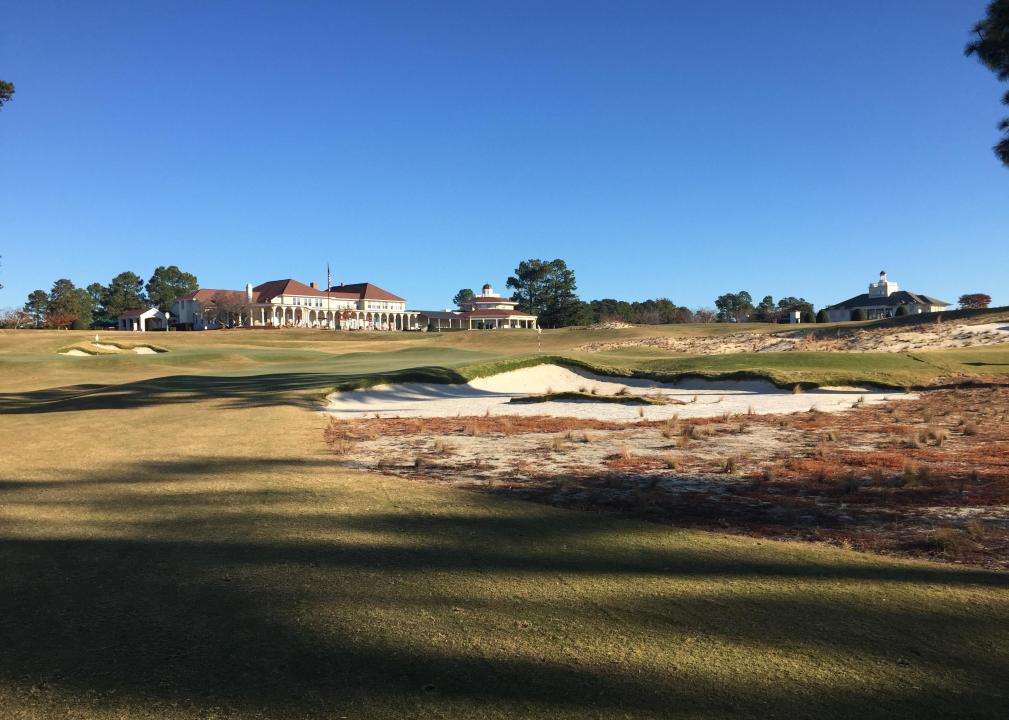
(305, 389)
(261, 600)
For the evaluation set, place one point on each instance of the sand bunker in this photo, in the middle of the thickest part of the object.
(107, 349)
(700, 398)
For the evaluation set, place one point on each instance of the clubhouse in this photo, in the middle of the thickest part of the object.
(884, 300)
(289, 303)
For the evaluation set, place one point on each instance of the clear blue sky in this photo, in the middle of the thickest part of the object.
(676, 149)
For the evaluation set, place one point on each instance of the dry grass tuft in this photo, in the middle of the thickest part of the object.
(444, 447)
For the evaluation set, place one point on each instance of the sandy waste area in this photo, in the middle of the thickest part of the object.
(918, 337)
(689, 398)
(926, 475)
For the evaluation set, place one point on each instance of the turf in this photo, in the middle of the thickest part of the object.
(175, 542)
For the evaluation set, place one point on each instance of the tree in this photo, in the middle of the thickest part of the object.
(974, 301)
(705, 315)
(790, 304)
(463, 296)
(168, 283)
(547, 289)
(765, 310)
(6, 92)
(37, 306)
(124, 292)
(822, 316)
(734, 307)
(15, 319)
(992, 48)
(226, 310)
(68, 305)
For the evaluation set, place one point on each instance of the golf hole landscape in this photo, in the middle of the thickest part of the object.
(307, 523)
(504, 360)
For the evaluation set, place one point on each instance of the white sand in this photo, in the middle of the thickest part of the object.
(1001, 328)
(704, 398)
(139, 350)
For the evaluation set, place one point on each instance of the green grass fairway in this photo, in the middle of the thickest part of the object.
(175, 542)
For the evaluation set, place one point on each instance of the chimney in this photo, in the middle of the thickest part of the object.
(248, 292)
(314, 285)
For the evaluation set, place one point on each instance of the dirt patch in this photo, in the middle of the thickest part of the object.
(928, 476)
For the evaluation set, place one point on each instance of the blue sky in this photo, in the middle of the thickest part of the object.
(675, 149)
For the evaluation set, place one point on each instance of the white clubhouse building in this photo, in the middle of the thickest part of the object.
(882, 301)
(289, 303)
(483, 311)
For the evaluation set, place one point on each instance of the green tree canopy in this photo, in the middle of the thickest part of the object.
(464, 295)
(991, 47)
(124, 292)
(6, 92)
(734, 306)
(788, 304)
(37, 306)
(168, 283)
(547, 289)
(765, 310)
(68, 305)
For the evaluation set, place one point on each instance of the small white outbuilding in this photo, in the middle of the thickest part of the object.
(143, 320)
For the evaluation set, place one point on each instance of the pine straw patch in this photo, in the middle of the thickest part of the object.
(366, 428)
(906, 478)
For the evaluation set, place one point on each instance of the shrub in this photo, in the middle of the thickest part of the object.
(952, 541)
(901, 311)
(822, 317)
(857, 315)
(975, 529)
(669, 460)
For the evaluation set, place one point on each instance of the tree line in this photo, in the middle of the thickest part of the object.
(548, 289)
(66, 305)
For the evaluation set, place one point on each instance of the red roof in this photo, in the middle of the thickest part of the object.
(136, 313)
(273, 288)
(207, 295)
(265, 292)
(490, 312)
(366, 291)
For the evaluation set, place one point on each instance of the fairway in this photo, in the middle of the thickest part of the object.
(176, 541)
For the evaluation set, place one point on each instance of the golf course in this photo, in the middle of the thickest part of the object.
(178, 541)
